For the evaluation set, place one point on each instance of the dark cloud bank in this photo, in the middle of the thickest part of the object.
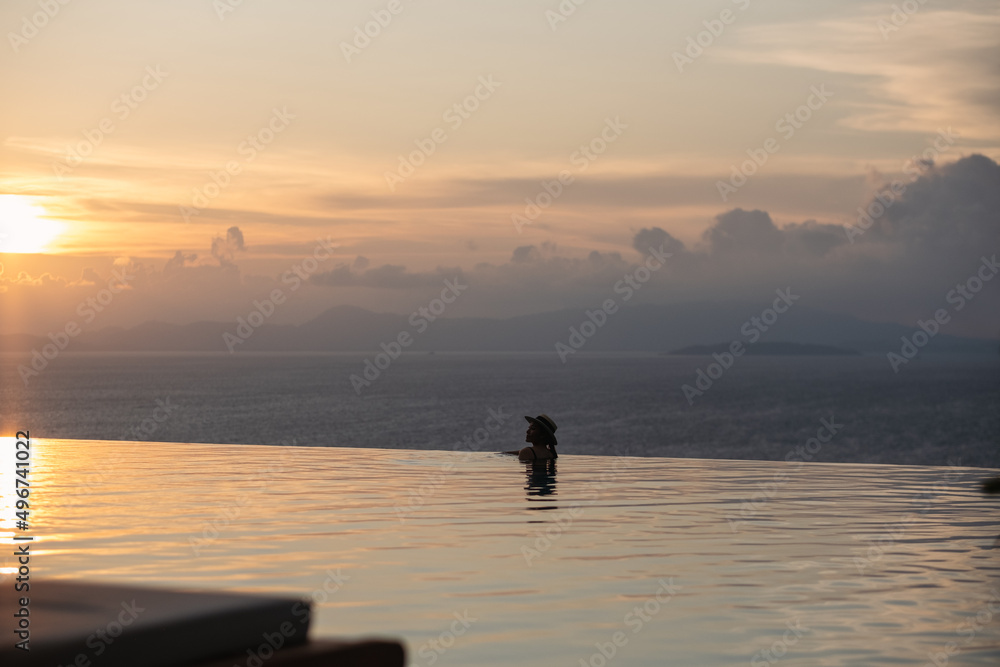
(909, 245)
(920, 245)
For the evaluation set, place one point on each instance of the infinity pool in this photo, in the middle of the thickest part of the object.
(477, 559)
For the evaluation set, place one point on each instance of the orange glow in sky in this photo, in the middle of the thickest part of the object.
(417, 148)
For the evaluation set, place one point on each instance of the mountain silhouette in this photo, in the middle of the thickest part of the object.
(651, 328)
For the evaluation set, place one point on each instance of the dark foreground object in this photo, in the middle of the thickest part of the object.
(325, 653)
(77, 624)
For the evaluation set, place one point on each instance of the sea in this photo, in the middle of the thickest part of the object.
(477, 559)
(935, 411)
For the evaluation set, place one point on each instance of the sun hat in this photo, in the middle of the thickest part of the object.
(546, 424)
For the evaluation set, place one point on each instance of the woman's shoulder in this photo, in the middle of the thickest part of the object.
(530, 454)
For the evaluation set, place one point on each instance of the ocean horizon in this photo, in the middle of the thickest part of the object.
(938, 411)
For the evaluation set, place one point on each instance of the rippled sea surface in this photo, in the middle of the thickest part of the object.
(935, 411)
(660, 561)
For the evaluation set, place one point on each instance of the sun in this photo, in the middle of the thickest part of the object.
(23, 227)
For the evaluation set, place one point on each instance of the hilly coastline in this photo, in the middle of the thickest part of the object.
(676, 329)
(779, 348)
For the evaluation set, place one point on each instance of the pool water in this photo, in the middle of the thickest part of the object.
(478, 559)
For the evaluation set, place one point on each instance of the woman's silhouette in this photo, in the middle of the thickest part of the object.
(542, 436)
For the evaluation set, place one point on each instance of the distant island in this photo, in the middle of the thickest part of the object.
(640, 328)
(777, 348)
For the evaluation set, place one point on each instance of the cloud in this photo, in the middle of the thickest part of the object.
(525, 253)
(235, 238)
(754, 233)
(908, 74)
(934, 234)
(225, 249)
(954, 206)
(24, 279)
(385, 277)
(179, 261)
(743, 231)
(812, 239)
(88, 278)
(656, 238)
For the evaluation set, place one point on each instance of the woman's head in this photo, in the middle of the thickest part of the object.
(541, 431)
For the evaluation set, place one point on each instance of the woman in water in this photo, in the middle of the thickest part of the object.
(542, 436)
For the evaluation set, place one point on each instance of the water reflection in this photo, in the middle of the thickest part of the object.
(541, 482)
(467, 544)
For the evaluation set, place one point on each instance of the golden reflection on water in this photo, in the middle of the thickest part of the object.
(879, 562)
(15, 479)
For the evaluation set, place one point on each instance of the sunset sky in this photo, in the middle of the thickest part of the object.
(205, 147)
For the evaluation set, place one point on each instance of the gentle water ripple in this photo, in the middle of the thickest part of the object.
(826, 564)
